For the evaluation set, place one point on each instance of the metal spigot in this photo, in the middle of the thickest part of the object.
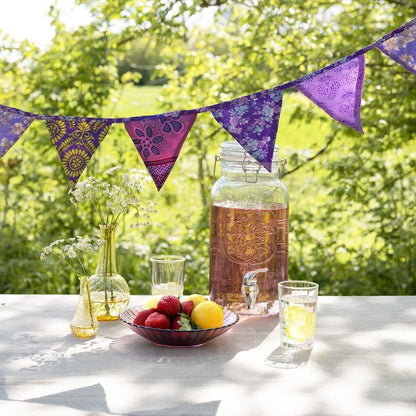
(250, 289)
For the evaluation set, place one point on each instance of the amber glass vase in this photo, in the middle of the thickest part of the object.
(84, 324)
(110, 292)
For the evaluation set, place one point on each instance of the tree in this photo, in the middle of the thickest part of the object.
(353, 227)
(352, 205)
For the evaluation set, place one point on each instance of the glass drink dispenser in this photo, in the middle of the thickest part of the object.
(249, 233)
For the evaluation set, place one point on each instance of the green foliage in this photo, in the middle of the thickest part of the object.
(352, 200)
(142, 58)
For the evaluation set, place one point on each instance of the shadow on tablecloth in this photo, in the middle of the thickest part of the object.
(283, 357)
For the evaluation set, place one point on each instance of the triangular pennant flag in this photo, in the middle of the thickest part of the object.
(253, 121)
(402, 48)
(76, 141)
(159, 140)
(338, 91)
(12, 127)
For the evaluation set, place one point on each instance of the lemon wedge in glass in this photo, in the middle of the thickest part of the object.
(300, 323)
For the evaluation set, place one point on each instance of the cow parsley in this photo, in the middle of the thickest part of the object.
(74, 252)
(117, 194)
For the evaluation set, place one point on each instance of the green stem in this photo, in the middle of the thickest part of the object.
(67, 263)
(82, 262)
(115, 220)
(107, 262)
(89, 301)
(100, 212)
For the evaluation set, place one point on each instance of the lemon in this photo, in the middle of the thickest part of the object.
(300, 323)
(208, 315)
(152, 302)
(196, 299)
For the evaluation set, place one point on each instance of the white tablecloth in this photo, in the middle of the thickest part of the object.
(363, 363)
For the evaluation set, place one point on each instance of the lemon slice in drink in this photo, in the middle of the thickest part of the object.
(300, 323)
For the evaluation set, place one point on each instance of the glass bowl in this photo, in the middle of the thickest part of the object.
(176, 337)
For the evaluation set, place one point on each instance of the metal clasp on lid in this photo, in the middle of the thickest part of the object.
(217, 159)
(250, 166)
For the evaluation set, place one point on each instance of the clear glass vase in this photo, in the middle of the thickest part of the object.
(110, 292)
(84, 324)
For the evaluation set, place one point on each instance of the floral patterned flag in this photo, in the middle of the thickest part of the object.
(402, 48)
(253, 121)
(338, 91)
(76, 140)
(12, 127)
(159, 140)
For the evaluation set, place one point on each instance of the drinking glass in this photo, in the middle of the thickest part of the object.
(297, 313)
(297, 316)
(167, 274)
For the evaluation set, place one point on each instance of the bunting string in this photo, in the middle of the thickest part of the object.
(252, 120)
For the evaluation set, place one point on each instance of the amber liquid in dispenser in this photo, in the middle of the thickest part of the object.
(242, 240)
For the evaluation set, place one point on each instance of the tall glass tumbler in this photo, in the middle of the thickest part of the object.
(297, 313)
(167, 275)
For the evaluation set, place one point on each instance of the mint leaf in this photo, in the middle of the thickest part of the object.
(185, 323)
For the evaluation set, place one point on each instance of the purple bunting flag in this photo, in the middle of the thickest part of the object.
(12, 127)
(402, 48)
(253, 121)
(159, 140)
(338, 91)
(76, 141)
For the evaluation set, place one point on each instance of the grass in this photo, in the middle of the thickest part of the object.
(135, 101)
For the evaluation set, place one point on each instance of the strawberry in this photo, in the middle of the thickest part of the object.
(157, 320)
(169, 305)
(187, 306)
(142, 316)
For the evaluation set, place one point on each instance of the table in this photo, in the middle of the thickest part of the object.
(363, 363)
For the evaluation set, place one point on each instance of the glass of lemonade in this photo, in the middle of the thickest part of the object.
(297, 313)
(167, 275)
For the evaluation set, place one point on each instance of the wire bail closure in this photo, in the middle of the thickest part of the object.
(217, 159)
(250, 166)
(251, 169)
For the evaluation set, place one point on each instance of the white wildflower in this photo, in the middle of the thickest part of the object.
(115, 195)
(74, 252)
(70, 252)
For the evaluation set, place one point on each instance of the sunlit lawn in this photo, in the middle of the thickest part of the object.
(135, 101)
